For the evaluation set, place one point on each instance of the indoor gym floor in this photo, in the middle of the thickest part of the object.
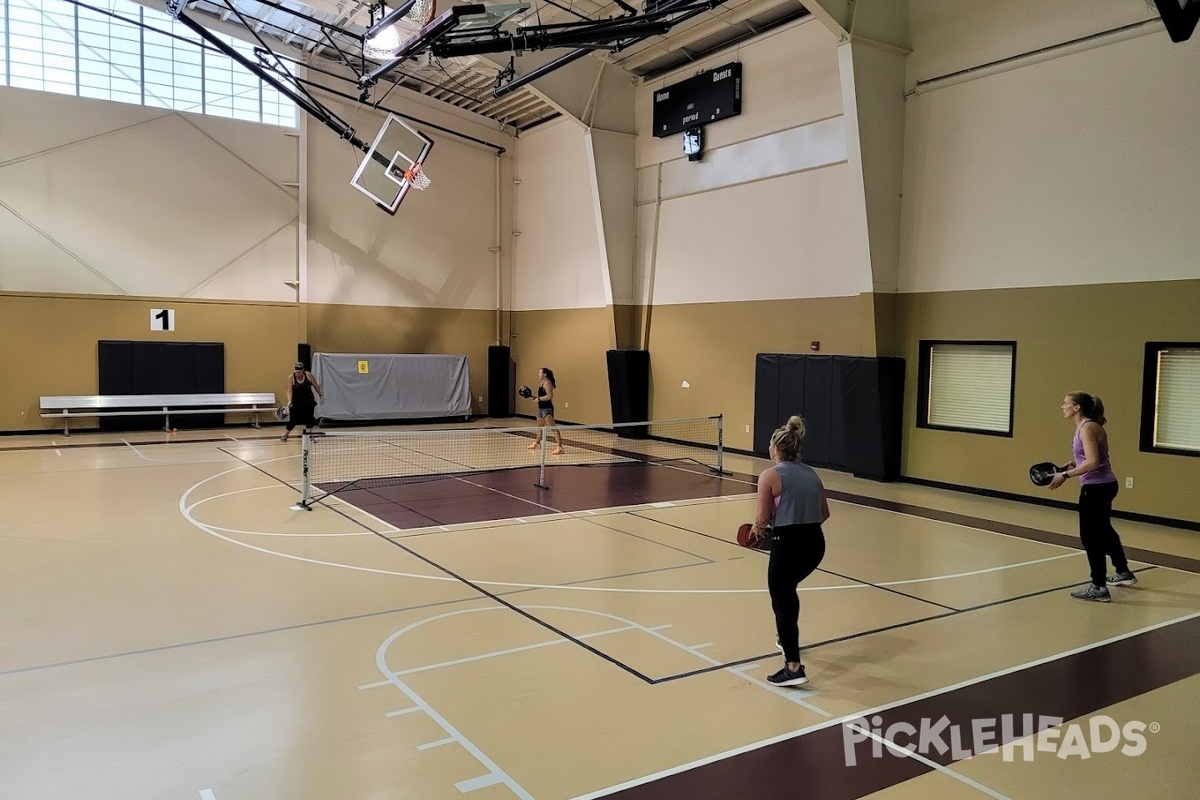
(174, 629)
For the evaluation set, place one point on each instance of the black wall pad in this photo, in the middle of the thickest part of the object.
(766, 399)
(629, 390)
(873, 391)
(501, 380)
(304, 355)
(852, 407)
(818, 409)
(127, 367)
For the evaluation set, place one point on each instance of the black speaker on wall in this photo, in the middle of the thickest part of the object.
(304, 355)
(501, 381)
(629, 390)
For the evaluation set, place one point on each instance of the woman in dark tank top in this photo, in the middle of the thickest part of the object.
(792, 503)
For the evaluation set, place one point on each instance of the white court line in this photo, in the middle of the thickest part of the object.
(266, 533)
(980, 571)
(175, 461)
(957, 524)
(401, 712)
(438, 743)
(417, 700)
(185, 510)
(793, 694)
(390, 527)
(783, 737)
(483, 781)
(665, 504)
(698, 646)
(901, 751)
(207, 794)
(495, 654)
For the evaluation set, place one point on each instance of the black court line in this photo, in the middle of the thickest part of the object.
(491, 595)
(313, 624)
(230, 638)
(500, 600)
(579, 515)
(819, 569)
(861, 634)
(653, 681)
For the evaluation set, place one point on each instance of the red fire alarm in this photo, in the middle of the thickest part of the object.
(814, 346)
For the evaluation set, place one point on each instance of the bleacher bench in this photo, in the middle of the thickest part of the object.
(116, 405)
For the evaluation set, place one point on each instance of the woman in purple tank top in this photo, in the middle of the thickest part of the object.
(1097, 490)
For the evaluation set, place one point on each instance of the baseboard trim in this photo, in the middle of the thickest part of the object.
(1132, 516)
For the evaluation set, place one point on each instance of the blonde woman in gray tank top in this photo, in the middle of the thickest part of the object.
(792, 503)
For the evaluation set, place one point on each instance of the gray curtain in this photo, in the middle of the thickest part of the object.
(393, 386)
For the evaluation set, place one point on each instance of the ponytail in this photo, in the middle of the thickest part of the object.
(788, 438)
(1090, 406)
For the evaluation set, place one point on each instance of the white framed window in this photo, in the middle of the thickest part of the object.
(1171, 398)
(121, 51)
(967, 386)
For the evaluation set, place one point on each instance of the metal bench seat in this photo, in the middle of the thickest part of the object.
(66, 407)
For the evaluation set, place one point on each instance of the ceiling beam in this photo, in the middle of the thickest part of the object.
(660, 45)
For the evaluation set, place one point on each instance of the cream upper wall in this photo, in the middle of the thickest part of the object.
(787, 237)
(107, 198)
(116, 199)
(558, 262)
(789, 78)
(768, 212)
(952, 35)
(1078, 170)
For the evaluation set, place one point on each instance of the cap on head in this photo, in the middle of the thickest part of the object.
(299, 366)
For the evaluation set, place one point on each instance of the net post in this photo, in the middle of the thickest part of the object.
(305, 471)
(720, 444)
(541, 484)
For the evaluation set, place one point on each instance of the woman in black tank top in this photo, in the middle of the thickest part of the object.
(302, 404)
(545, 409)
(797, 546)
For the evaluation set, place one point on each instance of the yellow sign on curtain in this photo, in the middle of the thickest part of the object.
(363, 368)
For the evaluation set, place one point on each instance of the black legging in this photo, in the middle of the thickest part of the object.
(1096, 530)
(301, 415)
(796, 551)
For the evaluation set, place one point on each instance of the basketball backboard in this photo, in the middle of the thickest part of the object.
(381, 175)
(492, 17)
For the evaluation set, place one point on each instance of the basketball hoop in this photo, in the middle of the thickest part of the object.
(416, 177)
(421, 12)
(385, 43)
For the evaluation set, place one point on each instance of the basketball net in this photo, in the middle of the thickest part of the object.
(417, 177)
(421, 12)
(386, 44)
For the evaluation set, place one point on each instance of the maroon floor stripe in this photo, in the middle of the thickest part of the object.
(835, 763)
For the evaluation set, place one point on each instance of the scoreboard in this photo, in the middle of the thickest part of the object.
(712, 95)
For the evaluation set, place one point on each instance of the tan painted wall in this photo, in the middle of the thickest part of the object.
(51, 345)
(374, 329)
(572, 342)
(713, 346)
(1082, 338)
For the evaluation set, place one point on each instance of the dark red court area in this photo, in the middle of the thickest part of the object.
(478, 497)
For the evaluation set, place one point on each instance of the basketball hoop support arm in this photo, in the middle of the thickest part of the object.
(304, 101)
(390, 19)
